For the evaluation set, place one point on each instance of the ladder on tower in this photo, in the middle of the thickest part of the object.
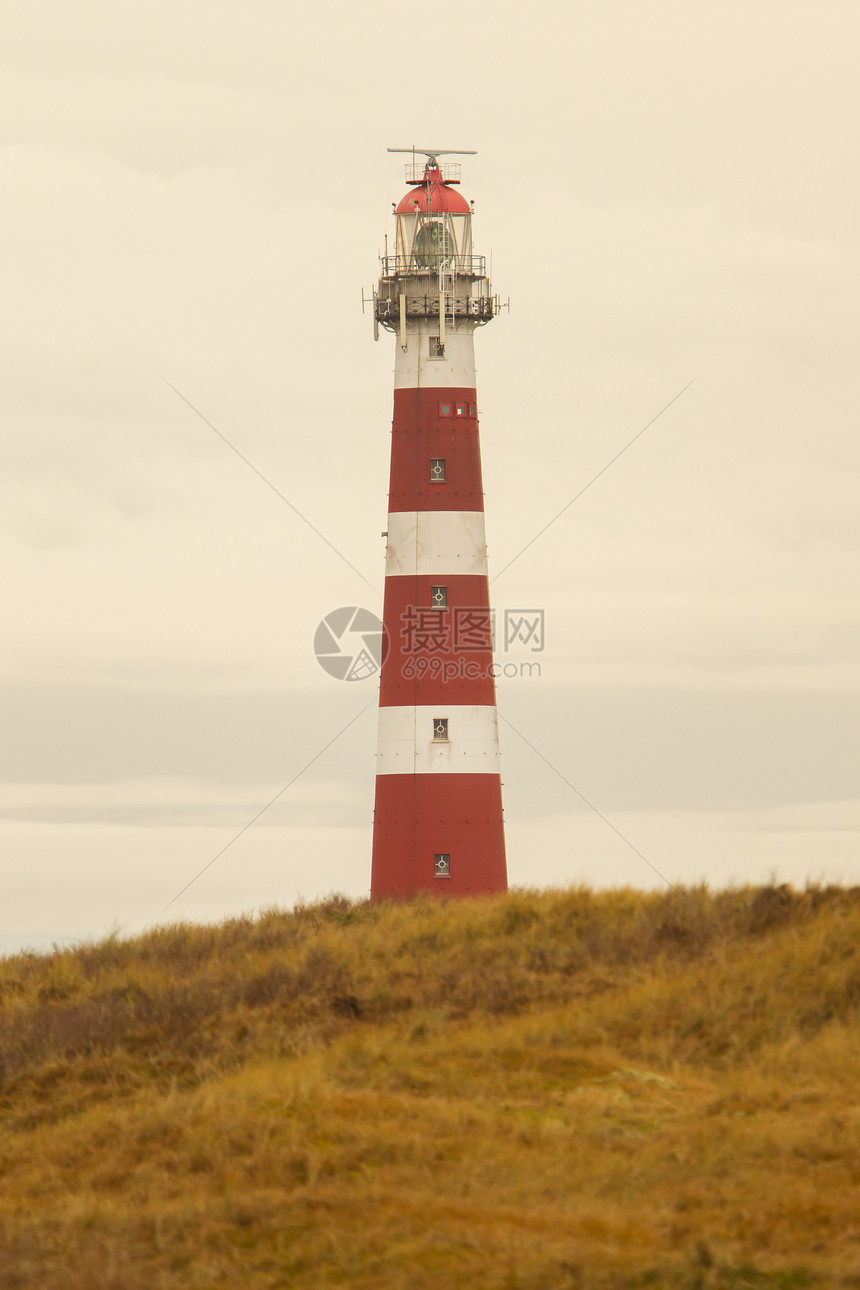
(447, 284)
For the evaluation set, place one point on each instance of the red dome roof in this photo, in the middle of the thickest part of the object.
(441, 197)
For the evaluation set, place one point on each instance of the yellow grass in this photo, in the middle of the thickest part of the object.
(530, 1092)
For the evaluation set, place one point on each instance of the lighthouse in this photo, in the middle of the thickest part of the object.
(438, 825)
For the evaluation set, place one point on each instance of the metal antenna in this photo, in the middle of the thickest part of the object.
(432, 153)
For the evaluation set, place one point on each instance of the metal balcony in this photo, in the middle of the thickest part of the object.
(464, 266)
(482, 308)
(415, 171)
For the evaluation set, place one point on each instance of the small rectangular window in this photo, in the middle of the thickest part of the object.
(444, 409)
(461, 409)
(439, 597)
(440, 730)
(437, 470)
(442, 864)
(473, 411)
(437, 347)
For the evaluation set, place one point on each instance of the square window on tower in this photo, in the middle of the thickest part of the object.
(437, 347)
(437, 470)
(461, 409)
(444, 409)
(440, 730)
(439, 597)
(473, 411)
(442, 864)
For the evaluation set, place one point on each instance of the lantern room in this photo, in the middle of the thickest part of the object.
(434, 224)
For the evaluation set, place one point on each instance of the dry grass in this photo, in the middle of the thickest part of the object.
(538, 1091)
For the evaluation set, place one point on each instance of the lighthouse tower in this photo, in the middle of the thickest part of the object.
(438, 823)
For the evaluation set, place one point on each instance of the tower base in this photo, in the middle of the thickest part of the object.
(417, 818)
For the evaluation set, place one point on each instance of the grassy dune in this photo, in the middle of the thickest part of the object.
(538, 1091)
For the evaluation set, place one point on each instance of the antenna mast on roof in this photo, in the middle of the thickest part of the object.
(433, 153)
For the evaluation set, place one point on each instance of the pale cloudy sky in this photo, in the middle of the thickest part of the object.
(198, 192)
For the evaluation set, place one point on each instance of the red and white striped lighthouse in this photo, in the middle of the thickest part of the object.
(438, 824)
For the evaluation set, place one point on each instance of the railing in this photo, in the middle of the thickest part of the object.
(482, 308)
(415, 171)
(464, 266)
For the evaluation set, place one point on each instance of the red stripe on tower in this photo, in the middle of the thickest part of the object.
(438, 824)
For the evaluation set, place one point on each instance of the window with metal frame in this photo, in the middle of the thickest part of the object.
(440, 730)
(437, 470)
(442, 864)
(439, 597)
(437, 347)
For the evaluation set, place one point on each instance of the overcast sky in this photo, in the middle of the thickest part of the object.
(196, 193)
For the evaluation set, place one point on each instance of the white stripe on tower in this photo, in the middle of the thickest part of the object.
(409, 744)
(436, 543)
(413, 369)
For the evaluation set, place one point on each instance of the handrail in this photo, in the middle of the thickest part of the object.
(473, 266)
(415, 171)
